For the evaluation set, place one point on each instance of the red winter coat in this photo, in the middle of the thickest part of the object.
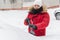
(41, 20)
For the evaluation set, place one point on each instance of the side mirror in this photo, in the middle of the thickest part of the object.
(57, 15)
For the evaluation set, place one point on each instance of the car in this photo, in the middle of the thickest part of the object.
(57, 14)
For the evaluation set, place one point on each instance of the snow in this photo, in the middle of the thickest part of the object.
(12, 26)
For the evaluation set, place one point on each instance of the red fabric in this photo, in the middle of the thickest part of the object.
(40, 20)
(40, 32)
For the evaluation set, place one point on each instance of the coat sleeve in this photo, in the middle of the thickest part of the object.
(25, 23)
(44, 22)
(28, 16)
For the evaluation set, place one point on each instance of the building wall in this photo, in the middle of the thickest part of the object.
(6, 4)
(49, 3)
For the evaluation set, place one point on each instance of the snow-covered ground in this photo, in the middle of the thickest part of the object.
(12, 26)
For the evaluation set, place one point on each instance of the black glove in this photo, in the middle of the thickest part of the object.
(30, 25)
(33, 26)
(27, 20)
